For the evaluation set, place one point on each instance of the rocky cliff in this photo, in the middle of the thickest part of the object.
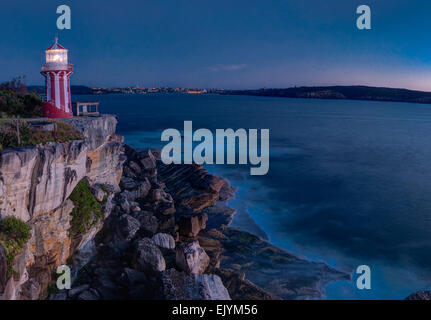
(35, 183)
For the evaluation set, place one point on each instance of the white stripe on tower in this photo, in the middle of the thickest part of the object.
(57, 90)
(52, 86)
(66, 92)
(48, 87)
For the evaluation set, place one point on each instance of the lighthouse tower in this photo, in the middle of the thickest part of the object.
(57, 71)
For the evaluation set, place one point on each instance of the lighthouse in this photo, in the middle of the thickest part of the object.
(57, 72)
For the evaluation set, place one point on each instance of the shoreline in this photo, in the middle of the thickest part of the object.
(333, 274)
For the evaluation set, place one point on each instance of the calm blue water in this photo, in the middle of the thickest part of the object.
(349, 181)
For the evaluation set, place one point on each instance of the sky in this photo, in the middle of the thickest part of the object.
(237, 44)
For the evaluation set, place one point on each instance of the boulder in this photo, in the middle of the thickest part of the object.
(128, 172)
(179, 286)
(128, 183)
(160, 195)
(191, 258)
(149, 223)
(166, 224)
(148, 257)
(191, 224)
(127, 227)
(137, 190)
(135, 167)
(148, 160)
(124, 205)
(135, 208)
(163, 201)
(164, 240)
(143, 188)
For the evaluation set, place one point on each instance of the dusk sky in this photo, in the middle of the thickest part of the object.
(223, 44)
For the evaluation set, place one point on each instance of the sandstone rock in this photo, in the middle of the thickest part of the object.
(191, 224)
(164, 240)
(179, 286)
(34, 187)
(148, 160)
(191, 258)
(97, 130)
(129, 173)
(135, 167)
(210, 183)
(128, 226)
(98, 192)
(148, 257)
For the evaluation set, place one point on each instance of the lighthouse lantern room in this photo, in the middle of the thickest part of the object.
(57, 71)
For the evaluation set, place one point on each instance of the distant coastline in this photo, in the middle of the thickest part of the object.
(330, 92)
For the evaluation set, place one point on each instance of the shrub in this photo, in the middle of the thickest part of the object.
(20, 105)
(31, 136)
(87, 212)
(14, 234)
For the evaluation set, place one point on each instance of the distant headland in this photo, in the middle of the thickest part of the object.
(342, 92)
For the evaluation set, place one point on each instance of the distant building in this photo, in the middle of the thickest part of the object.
(87, 108)
(195, 91)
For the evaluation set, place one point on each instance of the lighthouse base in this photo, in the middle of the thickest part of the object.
(52, 112)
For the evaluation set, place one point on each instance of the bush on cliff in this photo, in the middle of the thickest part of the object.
(87, 212)
(14, 234)
(30, 136)
(20, 105)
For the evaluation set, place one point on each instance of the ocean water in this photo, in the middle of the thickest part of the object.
(349, 182)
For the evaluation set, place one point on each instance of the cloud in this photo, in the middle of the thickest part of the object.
(226, 67)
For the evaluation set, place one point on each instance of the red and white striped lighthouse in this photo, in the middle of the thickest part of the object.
(57, 71)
